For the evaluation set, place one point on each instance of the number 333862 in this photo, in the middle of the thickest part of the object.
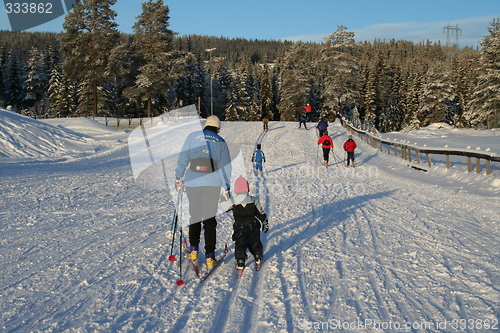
(28, 8)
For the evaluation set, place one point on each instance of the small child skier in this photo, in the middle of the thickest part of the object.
(257, 158)
(249, 219)
(303, 120)
(327, 145)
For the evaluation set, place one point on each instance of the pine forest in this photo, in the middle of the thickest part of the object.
(91, 69)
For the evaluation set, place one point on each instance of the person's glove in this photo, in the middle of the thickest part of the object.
(179, 184)
(265, 226)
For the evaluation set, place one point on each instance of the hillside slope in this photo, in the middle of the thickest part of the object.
(380, 247)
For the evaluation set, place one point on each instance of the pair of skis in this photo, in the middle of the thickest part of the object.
(203, 276)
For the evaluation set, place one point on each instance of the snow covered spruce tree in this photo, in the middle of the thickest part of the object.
(486, 100)
(413, 98)
(236, 104)
(13, 81)
(294, 74)
(159, 64)
(341, 69)
(266, 93)
(35, 87)
(437, 93)
(190, 84)
(90, 35)
(226, 83)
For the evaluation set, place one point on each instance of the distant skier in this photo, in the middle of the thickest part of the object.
(258, 158)
(349, 147)
(249, 219)
(303, 120)
(327, 145)
(322, 126)
(265, 124)
(308, 111)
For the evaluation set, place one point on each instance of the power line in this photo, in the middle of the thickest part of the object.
(454, 31)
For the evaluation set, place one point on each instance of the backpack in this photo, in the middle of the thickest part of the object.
(327, 142)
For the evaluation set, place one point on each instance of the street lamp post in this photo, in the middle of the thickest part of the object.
(211, 96)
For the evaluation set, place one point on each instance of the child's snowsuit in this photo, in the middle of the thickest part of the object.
(303, 120)
(248, 214)
(258, 157)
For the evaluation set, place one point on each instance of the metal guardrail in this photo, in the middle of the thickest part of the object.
(407, 149)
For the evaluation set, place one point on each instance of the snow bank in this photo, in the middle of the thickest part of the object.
(23, 138)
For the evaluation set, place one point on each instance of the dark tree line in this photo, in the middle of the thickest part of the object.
(92, 69)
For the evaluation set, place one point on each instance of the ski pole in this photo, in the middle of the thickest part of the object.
(317, 155)
(175, 219)
(180, 282)
(172, 257)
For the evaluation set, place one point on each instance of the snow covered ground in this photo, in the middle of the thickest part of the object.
(378, 248)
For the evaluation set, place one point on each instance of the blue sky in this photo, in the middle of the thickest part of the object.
(312, 20)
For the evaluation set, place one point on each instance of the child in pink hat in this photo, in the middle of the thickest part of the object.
(249, 219)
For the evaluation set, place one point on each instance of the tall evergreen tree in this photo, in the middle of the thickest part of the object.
(153, 45)
(35, 98)
(90, 35)
(226, 84)
(466, 82)
(13, 81)
(237, 103)
(295, 70)
(3, 61)
(190, 84)
(369, 97)
(266, 92)
(342, 70)
(436, 94)
(486, 101)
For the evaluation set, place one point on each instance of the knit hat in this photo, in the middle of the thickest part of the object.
(241, 185)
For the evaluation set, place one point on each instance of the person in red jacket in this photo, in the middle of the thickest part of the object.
(308, 111)
(327, 145)
(349, 147)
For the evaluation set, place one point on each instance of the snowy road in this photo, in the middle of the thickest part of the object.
(379, 248)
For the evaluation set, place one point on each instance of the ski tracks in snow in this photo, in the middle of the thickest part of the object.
(86, 249)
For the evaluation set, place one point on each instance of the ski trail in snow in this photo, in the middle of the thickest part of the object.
(85, 249)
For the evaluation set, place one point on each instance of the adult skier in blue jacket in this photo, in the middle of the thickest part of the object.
(203, 168)
(322, 127)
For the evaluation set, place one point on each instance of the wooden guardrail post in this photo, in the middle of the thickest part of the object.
(478, 165)
(428, 159)
(448, 164)
(488, 167)
(469, 164)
